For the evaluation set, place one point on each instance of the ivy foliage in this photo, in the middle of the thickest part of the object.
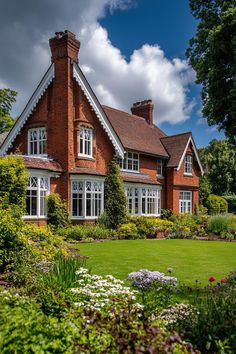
(115, 200)
(13, 181)
(58, 214)
(212, 55)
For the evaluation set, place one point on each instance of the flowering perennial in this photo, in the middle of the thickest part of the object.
(144, 278)
(177, 313)
(97, 293)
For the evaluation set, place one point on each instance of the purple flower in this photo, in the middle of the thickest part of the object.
(144, 278)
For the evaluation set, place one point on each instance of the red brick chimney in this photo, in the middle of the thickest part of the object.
(64, 45)
(144, 109)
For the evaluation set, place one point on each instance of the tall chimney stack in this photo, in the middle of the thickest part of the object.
(144, 109)
(64, 45)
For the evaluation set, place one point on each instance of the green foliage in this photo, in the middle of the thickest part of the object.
(7, 97)
(58, 214)
(224, 225)
(219, 163)
(231, 200)
(212, 55)
(115, 200)
(166, 214)
(127, 232)
(216, 204)
(13, 181)
(83, 232)
(10, 237)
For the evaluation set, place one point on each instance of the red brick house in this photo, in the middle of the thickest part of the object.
(66, 138)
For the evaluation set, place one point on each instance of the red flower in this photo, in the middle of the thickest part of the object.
(211, 279)
(223, 281)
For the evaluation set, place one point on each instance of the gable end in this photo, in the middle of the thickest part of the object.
(38, 93)
(190, 140)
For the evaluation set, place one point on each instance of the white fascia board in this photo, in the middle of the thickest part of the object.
(96, 106)
(38, 93)
(195, 152)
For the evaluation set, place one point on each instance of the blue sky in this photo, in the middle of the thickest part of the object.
(170, 24)
(131, 50)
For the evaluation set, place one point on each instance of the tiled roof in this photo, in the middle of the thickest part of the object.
(86, 171)
(175, 146)
(42, 164)
(3, 137)
(137, 178)
(135, 133)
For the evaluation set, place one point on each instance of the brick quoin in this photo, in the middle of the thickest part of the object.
(63, 108)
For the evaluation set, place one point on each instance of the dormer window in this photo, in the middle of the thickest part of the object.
(160, 167)
(85, 142)
(188, 165)
(130, 162)
(37, 141)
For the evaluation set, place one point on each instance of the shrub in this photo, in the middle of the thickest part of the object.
(222, 225)
(216, 204)
(58, 215)
(127, 231)
(231, 200)
(148, 227)
(166, 214)
(83, 232)
(10, 237)
(115, 200)
(13, 181)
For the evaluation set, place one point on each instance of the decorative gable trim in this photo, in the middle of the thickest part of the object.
(195, 152)
(96, 106)
(38, 93)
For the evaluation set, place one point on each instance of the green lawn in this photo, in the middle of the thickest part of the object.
(191, 260)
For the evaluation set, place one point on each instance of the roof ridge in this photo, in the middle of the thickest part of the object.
(119, 110)
(172, 136)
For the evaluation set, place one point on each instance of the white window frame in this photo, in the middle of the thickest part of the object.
(84, 192)
(38, 188)
(124, 163)
(160, 163)
(188, 165)
(185, 202)
(82, 136)
(38, 141)
(136, 192)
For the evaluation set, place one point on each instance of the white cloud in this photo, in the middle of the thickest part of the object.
(117, 81)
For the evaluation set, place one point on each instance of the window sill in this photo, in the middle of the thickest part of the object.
(188, 174)
(160, 176)
(130, 171)
(37, 155)
(30, 217)
(84, 218)
(85, 157)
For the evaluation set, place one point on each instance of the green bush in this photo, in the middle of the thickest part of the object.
(148, 227)
(58, 215)
(13, 181)
(115, 200)
(127, 232)
(222, 225)
(216, 204)
(166, 214)
(231, 200)
(11, 241)
(83, 232)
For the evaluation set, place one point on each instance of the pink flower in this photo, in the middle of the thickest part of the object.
(211, 279)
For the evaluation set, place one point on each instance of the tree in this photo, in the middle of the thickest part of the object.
(115, 200)
(13, 182)
(212, 54)
(219, 163)
(7, 97)
(205, 188)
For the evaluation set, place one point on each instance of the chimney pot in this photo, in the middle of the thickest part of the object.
(144, 109)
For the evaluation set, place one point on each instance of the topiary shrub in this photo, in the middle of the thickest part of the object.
(216, 204)
(115, 200)
(58, 214)
(13, 181)
(231, 200)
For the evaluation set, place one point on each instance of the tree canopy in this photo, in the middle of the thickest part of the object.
(7, 98)
(212, 54)
(219, 163)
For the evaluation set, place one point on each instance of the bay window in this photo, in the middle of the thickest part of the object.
(130, 162)
(143, 200)
(188, 164)
(37, 191)
(86, 198)
(185, 202)
(37, 141)
(85, 142)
